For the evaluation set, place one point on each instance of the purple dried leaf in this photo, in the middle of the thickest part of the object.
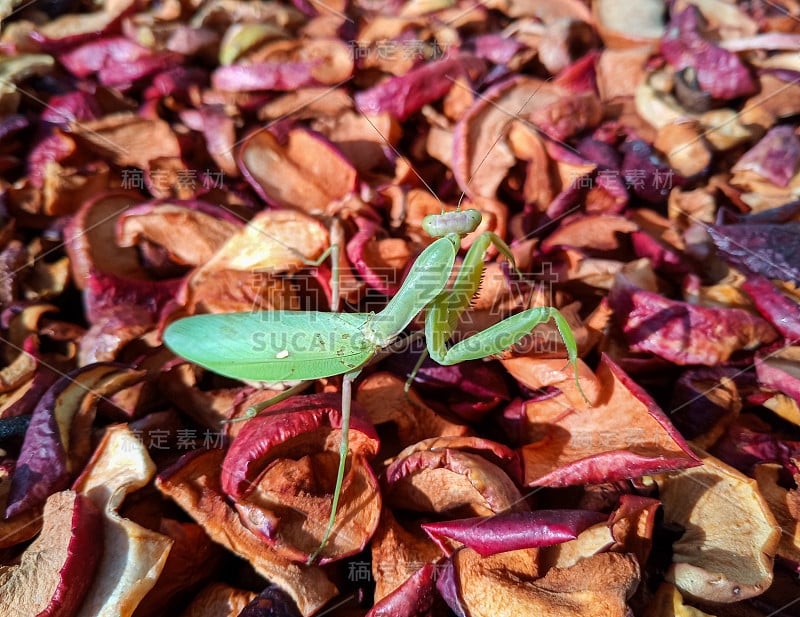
(402, 96)
(780, 310)
(447, 585)
(414, 598)
(646, 174)
(770, 250)
(272, 602)
(513, 531)
(264, 76)
(719, 72)
(685, 333)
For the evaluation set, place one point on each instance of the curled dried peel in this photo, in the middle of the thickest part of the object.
(457, 479)
(622, 435)
(135, 556)
(730, 538)
(280, 472)
(194, 484)
(272, 241)
(307, 173)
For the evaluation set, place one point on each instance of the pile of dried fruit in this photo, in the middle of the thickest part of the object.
(167, 159)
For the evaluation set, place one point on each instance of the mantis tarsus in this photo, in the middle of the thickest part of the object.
(291, 345)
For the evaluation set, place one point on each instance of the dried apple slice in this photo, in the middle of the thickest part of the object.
(457, 475)
(219, 600)
(49, 457)
(127, 139)
(272, 241)
(134, 556)
(785, 506)
(780, 309)
(597, 586)
(402, 96)
(205, 228)
(684, 333)
(629, 529)
(194, 484)
(668, 602)
(281, 470)
(398, 552)
(306, 173)
(57, 569)
(480, 161)
(415, 597)
(622, 435)
(382, 396)
(620, 28)
(730, 538)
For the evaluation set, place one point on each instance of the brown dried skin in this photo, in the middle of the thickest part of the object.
(219, 600)
(597, 586)
(726, 552)
(620, 71)
(306, 173)
(622, 435)
(382, 396)
(57, 569)
(598, 232)
(194, 485)
(290, 506)
(397, 553)
(294, 428)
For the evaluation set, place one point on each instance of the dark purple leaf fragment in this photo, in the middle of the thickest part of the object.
(704, 402)
(685, 333)
(272, 602)
(719, 72)
(414, 598)
(770, 250)
(778, 308)
(646, 174)
(447, 586)
(514, 530)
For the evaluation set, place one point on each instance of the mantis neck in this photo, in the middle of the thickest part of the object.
(426, 280)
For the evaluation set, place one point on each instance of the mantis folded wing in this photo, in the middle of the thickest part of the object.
(289, 345)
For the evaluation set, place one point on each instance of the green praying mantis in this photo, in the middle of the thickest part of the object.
(307, 345)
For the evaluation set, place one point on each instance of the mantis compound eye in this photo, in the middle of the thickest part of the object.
(460, 222)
